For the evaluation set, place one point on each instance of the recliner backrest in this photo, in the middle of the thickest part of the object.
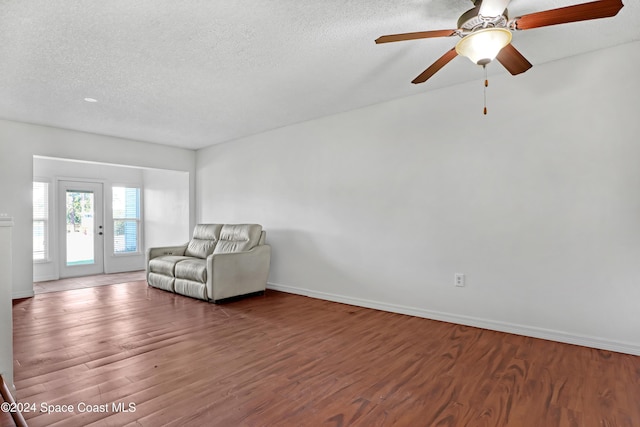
(205, 238)
(238, 238)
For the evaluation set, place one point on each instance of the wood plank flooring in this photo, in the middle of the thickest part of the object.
(288, 360)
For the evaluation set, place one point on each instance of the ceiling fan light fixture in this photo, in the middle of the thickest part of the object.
(482, 46)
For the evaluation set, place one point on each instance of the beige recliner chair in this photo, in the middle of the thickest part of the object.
(221, 261)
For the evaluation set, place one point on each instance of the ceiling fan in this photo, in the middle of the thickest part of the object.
(485, 32)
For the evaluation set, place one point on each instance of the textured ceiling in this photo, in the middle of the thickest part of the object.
(193, 73)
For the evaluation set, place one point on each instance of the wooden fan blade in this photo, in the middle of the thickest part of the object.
(435, 67)
(492, 8)
(513, 60)
(414, 36)
(563, 15)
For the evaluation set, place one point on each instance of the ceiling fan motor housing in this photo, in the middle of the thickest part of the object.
(471, 20)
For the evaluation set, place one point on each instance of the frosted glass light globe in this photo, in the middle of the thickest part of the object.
(482, 46)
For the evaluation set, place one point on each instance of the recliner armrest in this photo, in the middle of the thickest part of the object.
(165, 250)
(238, 273)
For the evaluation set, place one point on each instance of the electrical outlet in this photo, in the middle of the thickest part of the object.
(459, 279)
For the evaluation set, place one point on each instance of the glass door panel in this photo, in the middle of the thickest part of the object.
(81, 228)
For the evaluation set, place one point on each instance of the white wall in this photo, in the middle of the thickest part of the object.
(6, 316)
(538, 203)
(19, 142)
(166, 205)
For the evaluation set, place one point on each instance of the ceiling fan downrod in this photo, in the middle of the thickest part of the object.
(486, 84)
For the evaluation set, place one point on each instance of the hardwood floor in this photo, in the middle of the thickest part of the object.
(288, 360)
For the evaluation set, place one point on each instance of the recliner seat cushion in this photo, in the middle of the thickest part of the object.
(238, 238)
(165, 264)
(194, 269)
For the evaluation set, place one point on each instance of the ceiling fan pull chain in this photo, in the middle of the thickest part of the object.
(486, 83)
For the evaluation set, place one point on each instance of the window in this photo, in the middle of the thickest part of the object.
(126, 220)
(41, 221)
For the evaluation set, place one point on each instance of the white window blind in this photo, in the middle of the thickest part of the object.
(40, 221)
(126, 220)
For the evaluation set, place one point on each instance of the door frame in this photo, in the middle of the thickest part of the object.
(97, 267)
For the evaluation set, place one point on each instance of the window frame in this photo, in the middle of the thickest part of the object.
(47, 219)
(138, 221)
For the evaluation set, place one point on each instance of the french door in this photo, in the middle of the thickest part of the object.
(81, 228)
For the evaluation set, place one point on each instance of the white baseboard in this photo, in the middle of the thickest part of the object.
(23, 294)
(529, 331)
